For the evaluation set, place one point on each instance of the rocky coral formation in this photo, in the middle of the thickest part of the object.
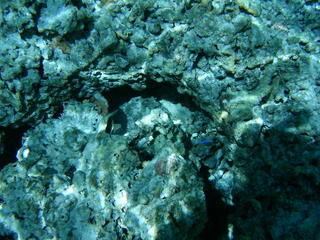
(251, 142)
(75, 181)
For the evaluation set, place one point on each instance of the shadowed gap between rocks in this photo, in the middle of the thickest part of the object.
(12, 143)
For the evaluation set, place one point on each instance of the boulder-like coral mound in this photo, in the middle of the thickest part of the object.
(73, 180)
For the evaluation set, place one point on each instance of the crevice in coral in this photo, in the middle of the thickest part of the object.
(12, 143)
(217, 211)
(8, 237)
(164, 90)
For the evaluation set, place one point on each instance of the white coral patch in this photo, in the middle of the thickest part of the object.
(70, 190)
(25, 153)
(152, 118)
(121, 199)
(152, 232)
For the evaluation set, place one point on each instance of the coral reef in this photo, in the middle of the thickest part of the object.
(160, 119)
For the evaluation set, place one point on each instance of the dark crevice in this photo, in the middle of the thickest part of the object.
(8, 237)
(77, 3)
(28, 33)
(37, 14)
(147, 13)
(216, 226)
(41, 68)
(58, 110)
(82, 32)
(12, 143)
(161, 91)
(196, 61)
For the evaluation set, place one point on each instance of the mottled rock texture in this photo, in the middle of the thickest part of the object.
(249, 143)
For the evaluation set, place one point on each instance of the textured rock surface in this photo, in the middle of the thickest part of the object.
(75, 181)
(251, 68)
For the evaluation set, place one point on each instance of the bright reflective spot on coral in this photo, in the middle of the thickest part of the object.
(185, 209)
(25, 153)
(121, 198)
(223, 116)
(259, 121)
(152, 118)
(152, 231)
(230, 231)
(176, 122)
(70, 190)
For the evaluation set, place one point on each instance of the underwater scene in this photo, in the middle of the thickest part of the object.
(159, 120)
